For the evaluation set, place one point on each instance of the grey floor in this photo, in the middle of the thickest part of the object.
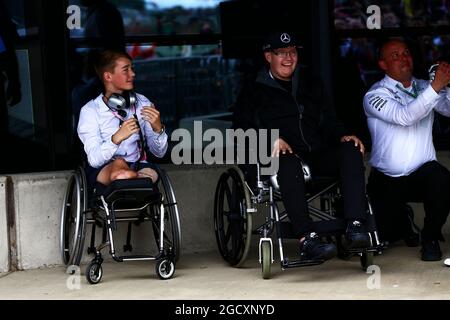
(399, 274)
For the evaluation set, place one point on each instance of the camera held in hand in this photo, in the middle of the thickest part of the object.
(432, 72)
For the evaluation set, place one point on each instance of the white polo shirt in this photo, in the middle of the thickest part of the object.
(400, 122)
(98, 123)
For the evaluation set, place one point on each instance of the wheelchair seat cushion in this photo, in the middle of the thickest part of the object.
(139, 189)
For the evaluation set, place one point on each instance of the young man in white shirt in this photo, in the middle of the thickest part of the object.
(399, 111)
(115, 138)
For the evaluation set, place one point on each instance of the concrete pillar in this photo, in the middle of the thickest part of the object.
(37, 207)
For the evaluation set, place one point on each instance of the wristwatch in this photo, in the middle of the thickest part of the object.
(163, 128)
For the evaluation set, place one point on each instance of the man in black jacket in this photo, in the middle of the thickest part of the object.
(285, 96)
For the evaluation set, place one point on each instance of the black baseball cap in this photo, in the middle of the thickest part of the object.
(280, 39)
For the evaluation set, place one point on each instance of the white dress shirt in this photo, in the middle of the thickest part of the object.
(98, 123)
(401, 125)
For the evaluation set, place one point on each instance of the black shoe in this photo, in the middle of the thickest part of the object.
(431, 251)
(357, 236)
(312, 249)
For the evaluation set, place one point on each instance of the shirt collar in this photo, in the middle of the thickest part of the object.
(391, 83)
(101, 104)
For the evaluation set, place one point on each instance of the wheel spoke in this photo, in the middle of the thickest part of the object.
(234, 201)
(228, 195)
(236, 240)
(228, 234)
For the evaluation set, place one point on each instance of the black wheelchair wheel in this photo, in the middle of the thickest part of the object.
(165, 269)
(94, 272)
(232, 222)
(172, 230)
(73, 219)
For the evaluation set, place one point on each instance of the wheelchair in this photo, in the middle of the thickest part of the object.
(133, 201)
(236, 202)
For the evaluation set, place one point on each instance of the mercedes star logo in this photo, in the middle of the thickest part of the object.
(285, 38)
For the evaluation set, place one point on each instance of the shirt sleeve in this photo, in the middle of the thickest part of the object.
(98, 151)
(443, 103)
(379, 103)
(156, 143)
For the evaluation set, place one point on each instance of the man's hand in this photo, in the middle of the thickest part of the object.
(151, 115)
(128, 128)
(357, 142)
(280, 145)
(442, 76)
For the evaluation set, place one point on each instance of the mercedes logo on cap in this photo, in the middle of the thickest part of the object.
(285, 38)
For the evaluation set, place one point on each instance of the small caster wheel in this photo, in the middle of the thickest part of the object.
(165, 269)
(266, 259)
(94, 272)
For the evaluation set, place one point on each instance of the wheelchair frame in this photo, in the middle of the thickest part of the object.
(233, 221)
(77, 213)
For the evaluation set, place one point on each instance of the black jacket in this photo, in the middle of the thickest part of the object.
(305, 118)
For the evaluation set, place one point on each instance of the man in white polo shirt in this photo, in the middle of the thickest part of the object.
(400, 111)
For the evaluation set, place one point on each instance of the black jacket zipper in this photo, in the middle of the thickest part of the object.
(300, 125)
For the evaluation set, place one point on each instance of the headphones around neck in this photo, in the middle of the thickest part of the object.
(120, 102)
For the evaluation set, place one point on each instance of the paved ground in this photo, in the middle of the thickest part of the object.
(205, 276)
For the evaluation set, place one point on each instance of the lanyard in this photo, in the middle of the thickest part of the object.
(411, 94)
(142, 142)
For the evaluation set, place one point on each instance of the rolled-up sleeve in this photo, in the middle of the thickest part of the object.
(97, 150)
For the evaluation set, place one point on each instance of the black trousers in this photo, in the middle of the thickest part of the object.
(429, 184)
(344, 162)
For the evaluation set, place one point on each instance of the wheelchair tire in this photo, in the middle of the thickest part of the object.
(266, 259)
(366, 260)
(172, 237)
(73, 219)
(232, 222)
(165, 269)
(94, 272)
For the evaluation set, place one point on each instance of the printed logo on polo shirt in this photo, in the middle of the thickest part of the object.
(377, 103)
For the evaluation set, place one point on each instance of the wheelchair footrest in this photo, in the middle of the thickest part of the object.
(362, 250)
(135, 258)
(300, 263)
